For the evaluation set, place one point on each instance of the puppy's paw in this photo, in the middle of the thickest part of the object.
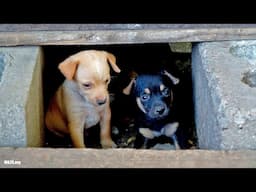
(108, 143)
(146, 132)
(170, 129)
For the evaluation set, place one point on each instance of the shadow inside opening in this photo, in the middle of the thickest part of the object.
(130, 57)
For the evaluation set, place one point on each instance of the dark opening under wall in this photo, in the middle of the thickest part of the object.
(130, 57)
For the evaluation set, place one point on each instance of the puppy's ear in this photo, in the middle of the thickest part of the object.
(127, 90)
(68, 67)
(112, 60)
(174, 80)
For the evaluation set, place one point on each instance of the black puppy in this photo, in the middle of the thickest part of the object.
(153, 96)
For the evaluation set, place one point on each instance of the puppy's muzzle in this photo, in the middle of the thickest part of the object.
(159, 110)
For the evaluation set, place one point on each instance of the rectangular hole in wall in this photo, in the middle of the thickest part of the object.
(130, 57)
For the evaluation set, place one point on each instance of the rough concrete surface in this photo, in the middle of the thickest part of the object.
(93, 34)
(124, 158)
(21, 97)
(225, 104)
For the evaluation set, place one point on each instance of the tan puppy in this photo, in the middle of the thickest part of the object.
(83, 100)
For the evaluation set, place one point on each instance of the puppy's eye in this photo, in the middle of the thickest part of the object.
(166, 92)
(145, 97)
(87, 85)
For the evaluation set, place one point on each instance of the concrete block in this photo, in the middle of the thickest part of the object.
(224, 80)
(21, 101)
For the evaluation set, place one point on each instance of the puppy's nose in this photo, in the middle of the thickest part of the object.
(159, 110)
(101, 101)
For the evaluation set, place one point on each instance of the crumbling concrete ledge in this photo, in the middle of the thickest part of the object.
(21, 101)
(224, 84)
(124, 158)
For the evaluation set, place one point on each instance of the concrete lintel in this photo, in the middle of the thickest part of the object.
(86, 34)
